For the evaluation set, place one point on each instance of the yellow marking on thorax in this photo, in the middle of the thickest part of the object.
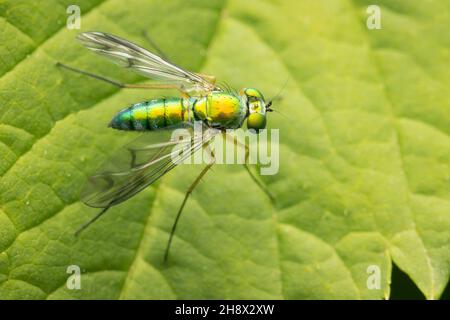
(222, 107)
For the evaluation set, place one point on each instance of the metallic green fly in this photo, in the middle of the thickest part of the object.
(140, 163)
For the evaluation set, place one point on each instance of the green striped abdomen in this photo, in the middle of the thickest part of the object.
(218, 109)
(152, 115)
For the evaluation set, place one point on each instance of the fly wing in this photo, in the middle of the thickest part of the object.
(142, 61)
(140, 163)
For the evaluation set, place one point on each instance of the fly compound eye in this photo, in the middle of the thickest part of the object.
(253, 94)
(256, 121)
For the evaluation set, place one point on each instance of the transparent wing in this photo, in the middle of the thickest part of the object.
(138, 164)
(142, 61)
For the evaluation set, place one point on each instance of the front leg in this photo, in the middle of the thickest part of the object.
(256, 179)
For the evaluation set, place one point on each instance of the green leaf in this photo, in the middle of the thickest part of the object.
(364, 174)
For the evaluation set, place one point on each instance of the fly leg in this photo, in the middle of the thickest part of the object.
(186, 196)
(87, 224)
(247, 167)
(124, 85)
(256, 179)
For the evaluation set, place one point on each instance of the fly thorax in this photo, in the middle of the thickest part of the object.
(221, 110)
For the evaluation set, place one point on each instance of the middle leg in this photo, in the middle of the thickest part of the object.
(186, 196)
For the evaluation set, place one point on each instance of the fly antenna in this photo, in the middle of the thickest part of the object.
(278, 95)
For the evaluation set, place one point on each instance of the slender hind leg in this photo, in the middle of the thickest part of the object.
(123, 85)
(87, 224)
(186, 196)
